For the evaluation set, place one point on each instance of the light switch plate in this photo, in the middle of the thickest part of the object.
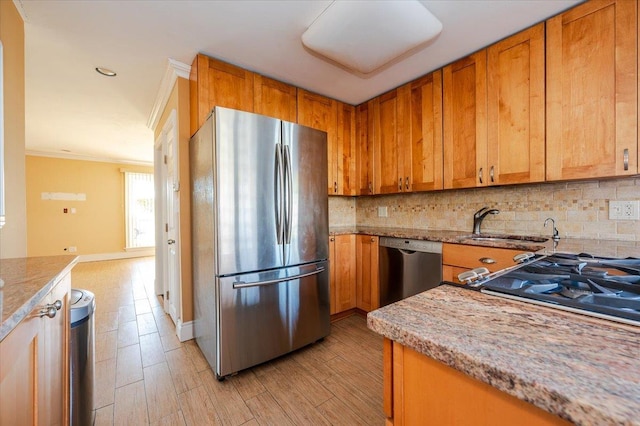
(382, 211)
(624, 210)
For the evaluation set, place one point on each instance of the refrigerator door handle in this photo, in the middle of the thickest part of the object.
(242, 284)
(289, 189)
(278, 193)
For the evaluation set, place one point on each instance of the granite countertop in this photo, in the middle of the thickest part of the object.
(26, 282)
(582, 369)
(610, 248)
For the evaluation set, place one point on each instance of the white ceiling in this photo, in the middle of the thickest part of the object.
(69, 107)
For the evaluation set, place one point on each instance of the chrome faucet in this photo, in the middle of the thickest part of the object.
(479, 216)
(556, 235)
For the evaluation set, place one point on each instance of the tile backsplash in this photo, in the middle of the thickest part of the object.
(580, 209)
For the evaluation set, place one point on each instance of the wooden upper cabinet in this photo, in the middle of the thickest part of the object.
(423, 150)
(465, 122)
(215, 83)
(344, 161)
(364, 148)
(274, 98)
(385, 141)
(321, 113)
(515, 108)
(592, 98)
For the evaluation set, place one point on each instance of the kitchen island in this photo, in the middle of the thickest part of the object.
(580, 369)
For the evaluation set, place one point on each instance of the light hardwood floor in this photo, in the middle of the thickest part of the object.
(145, 375)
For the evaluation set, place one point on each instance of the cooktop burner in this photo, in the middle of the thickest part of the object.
(603, 287)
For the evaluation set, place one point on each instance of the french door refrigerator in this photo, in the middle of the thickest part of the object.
(259, 238)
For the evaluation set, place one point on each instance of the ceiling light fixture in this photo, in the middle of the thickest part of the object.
(364, 36)
(106, 72)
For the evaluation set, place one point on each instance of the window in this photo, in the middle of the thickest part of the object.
(139, 216)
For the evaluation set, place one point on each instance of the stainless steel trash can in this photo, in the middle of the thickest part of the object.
(82, 356)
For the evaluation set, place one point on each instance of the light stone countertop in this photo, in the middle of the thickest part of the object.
(582, 369)
(26, 282)
(609, 248)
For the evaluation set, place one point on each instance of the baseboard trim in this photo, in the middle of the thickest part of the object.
(184, 330)
(114, 256)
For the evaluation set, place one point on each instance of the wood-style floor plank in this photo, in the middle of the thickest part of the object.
(106, 345)
(127, 334)
(267, 411)
(129, 365)
(162, 399)
(228, 403)
(104, 416)
(131, 405)
(151, 349)
(197, 408)
(175, 419)
(105, 383)
(183, 372)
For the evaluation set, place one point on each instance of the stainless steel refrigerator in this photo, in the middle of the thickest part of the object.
(259, 238)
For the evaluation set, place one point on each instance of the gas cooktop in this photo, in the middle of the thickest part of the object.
(597, 286)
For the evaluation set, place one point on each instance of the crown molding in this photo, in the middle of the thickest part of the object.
(174, 70)
(83, 157)
(20, 7)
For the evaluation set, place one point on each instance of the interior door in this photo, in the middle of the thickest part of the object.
(306, 219)
(172, 188)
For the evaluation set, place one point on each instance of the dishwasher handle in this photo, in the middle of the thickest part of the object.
(405, 251)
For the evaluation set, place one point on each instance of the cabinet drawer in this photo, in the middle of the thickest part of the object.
(469, 257)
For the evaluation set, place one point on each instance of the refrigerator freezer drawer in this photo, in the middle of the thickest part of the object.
(266, 315)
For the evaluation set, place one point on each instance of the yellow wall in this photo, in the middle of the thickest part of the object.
(97, 227)
(179, 100)
(13, 236)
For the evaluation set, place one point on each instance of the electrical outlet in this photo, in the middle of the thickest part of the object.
(624, 210)
(382, 211)
(73, 249)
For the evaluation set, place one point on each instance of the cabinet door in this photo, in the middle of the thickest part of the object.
(386, 123)
(18, 372)
(423, 164)
(345, 151)
(274, 98)
(343, 272)
(367, 287)
(465, 122)
(592, 97)
(53, 365)
(516, 135)
(364, 149)
(216, 83)
(321, 113)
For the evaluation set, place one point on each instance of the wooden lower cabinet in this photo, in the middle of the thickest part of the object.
(34, 365)
(367, 288)
(419, 390)
(342, 262)
(457, 258)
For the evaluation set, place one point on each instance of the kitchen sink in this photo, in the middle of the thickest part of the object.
(505, 238)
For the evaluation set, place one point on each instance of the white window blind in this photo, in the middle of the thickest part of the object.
(139, 215)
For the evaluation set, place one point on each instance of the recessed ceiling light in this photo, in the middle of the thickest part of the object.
(106, 72)
(65, 150)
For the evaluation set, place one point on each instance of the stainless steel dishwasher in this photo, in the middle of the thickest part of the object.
(408, 267)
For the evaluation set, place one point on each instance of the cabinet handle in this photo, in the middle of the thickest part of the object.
(399, 184)
(335, 187)
(373, 240)
(491, 174)
(480, 175)
(487, 260)
(332, 239)
(407, 183)
(370, 188)
(51, 309)
(625, 159)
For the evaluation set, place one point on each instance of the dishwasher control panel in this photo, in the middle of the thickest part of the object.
(415, 245)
